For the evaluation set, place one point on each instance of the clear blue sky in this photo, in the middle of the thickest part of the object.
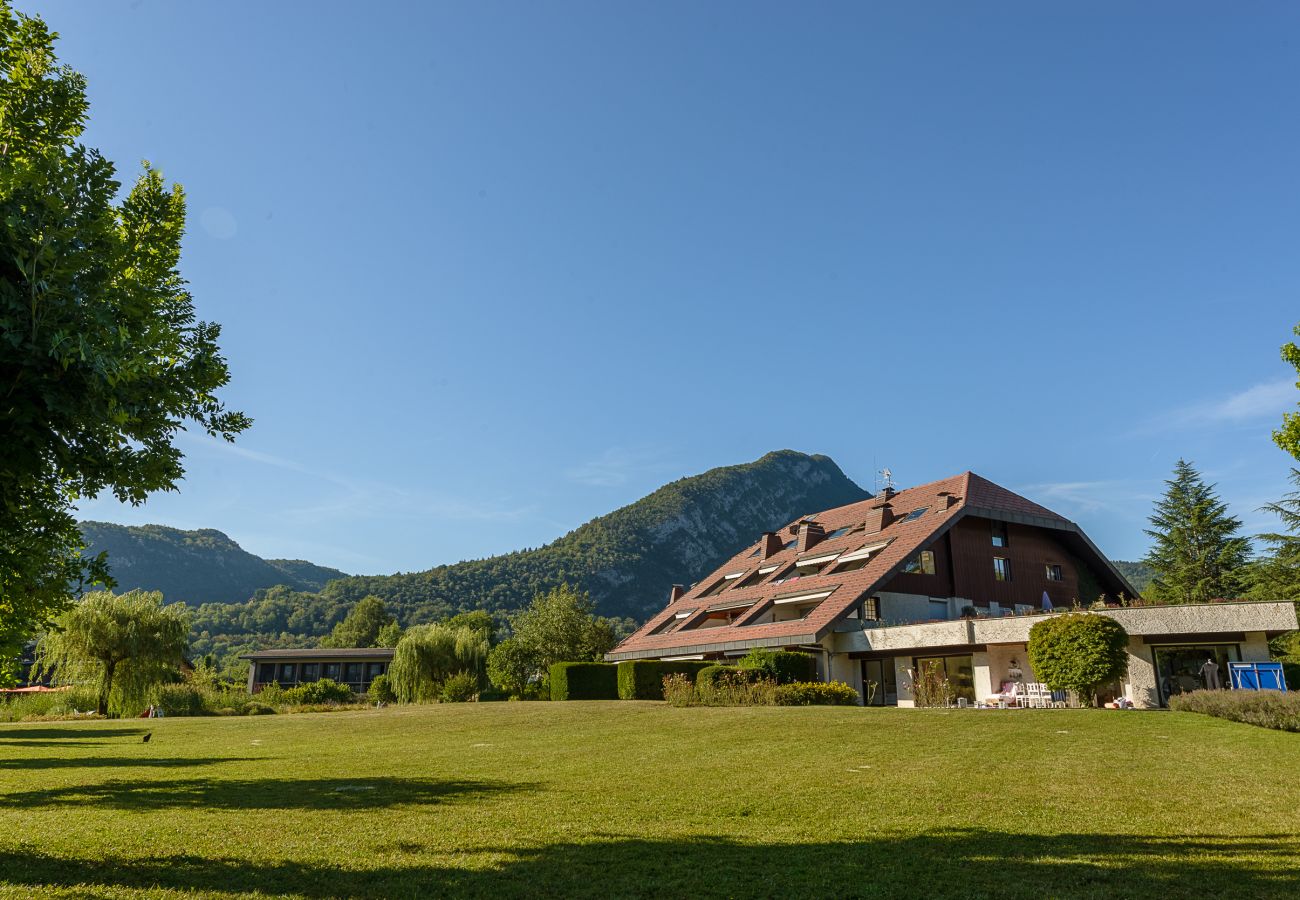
(487, 270)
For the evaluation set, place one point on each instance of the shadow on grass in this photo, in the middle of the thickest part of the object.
(94, 762)
(954, 863)
(258, 793)
(71, 733)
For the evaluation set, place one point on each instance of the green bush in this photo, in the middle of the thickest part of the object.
(381, 691)
(258, 709)
(316, 693)
(1078, 652)
(643, 679)
(1267, 709)
(1291, 672)
(721, 686)
(584, 681)
(182, 700)
(710, 676)
(816, 693)
(51, 705)
(459, 688)
(782, 666)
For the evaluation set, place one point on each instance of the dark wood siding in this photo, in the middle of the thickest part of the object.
(1029, 549)
(940, 584)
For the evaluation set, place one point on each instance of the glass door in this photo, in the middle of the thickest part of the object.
(880, 673)
(1192, 668)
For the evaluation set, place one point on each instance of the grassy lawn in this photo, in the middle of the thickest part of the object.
(637, 799)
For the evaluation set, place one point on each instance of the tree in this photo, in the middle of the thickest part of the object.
(122, 645)
(1197, 554)
(427, 655)
(362, 625)
(1078, 652)
(1288, 436)
(558, 626)
(389, 635)
(1276, 576)
(102, 359)
(478, 620)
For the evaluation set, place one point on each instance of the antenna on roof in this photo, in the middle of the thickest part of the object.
(884, 480)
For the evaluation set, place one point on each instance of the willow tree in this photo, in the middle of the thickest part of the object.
(102, 358)
(427, 655)
(121, 646)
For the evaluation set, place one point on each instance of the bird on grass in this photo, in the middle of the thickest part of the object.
(147, 736)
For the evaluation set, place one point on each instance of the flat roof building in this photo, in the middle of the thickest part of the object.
(356, 667)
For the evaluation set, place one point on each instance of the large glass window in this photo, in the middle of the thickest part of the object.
(374, 670)
(879, 684)
(352, 673)
(286, 672)
(332, 671)
(266, 672)
(1192, 668)
(310, 672)
(958, 670)
(921, 564)
(1001, 569)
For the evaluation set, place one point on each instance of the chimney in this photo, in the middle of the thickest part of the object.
(879, 517)
(769, 544)
(675, 593)
(946, 500)
(888, 493)
(810, 533)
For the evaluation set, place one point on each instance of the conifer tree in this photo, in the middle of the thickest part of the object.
(1276, 576)
(1196, 554)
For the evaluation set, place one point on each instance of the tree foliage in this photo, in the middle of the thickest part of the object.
(123, 645)
(1196, 554)
(102, 359)
(1276, 575)
(558, 626)
(1288, 436)
(1078, 652)
(362, 625)
(427, 655)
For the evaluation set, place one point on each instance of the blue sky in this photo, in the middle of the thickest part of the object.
(487, 270)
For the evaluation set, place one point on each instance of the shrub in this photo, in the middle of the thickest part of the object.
(259, 709)
(317, 693)
(1267, 709)
(1291, 672)
(459, 688)
(381, 691)
(75, 703)
(721, 686)
(643, 679)
(1078, 652)
(782, 666)
(181, 700)
(584, 681)
(679, 690)
(816, 693)
(709, 675)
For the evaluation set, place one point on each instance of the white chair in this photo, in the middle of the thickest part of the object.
(1037, 695)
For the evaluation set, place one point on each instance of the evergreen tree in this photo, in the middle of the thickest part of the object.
(1276, 576)
(1197, 554)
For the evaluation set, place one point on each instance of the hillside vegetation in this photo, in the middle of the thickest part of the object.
(195, 567)
(626, 560)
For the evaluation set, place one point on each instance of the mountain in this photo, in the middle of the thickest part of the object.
(627, 559)
(195, 566)
(1139, 574)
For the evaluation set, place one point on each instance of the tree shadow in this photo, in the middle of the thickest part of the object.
(93, 762)
(70, 733)
(952, 863)
(258, 793)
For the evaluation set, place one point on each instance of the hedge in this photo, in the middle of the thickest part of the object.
(584, 681)
(1267, 709)
(816, 693)
(643, 679)
(709, 676)
(782, 666)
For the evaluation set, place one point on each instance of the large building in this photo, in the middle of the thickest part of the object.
(356, 667)
(948, 575)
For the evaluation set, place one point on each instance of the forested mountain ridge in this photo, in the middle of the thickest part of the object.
(195, 567)
(628, 558)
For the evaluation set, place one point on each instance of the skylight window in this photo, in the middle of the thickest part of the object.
(838, 532)
(916, 513)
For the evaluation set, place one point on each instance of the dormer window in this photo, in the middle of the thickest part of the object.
(757, 576)
(721, 584)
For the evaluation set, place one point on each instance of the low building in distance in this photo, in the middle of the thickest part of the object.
(356, 667)
(948, 575)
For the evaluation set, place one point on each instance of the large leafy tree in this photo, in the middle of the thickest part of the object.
(362, 626)
(123, 646)
(1196, 553)
(1079, 652)
(102, 359)
(558, 626)
(1288, 436)
(427, 655)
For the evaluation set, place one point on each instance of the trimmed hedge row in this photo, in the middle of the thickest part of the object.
(643, 679)
(584, 681)
(816, 693)
(782, 666)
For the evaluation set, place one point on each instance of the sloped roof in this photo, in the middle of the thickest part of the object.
(944, 501)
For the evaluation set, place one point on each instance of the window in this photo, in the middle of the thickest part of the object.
(871, 609)
(311, 671)
(1054, 572)
(803, 570)
(839, 532)
(921, 564)
(915, 514)
(757, 576)
(789, 544)
(352, 672)
(266, 672)
(1000, 534)
(374, 670)
(1001, 569)
(717, 588)
(332, 671)
(852, 565)
(286, 671)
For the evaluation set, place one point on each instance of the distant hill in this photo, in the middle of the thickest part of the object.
(627, 559)
(195, 566)
(1139, 574)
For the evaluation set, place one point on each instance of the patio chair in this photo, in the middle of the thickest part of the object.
(1038, 695)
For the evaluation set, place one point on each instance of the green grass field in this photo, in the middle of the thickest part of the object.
(637, 799)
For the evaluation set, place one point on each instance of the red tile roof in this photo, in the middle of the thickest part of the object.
(968, 493)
